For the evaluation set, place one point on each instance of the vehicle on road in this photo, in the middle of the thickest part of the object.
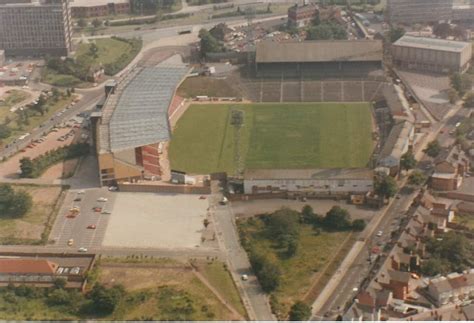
(82, 249)
(97, 209)
(106, 212)
(113, 188)
(379, 234)
(77, 199)
(91, 226)
(245, 277)
(102, 199)
(70, 242)
(224, 201)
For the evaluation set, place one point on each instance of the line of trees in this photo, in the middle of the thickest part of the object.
(32, 168)
(14, 204)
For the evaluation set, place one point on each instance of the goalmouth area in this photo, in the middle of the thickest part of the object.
(277, 135)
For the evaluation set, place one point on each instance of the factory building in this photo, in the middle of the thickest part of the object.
(35, 27)
(418, 11)
(431, 54)
(99, 8)
(309, 182)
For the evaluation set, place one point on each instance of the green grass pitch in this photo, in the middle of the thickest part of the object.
(306, 135)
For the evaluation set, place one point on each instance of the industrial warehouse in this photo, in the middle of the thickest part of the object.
(431, 54)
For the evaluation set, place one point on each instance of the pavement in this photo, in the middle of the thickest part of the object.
(255, 300)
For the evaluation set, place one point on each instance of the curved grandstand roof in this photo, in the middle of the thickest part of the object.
(140, 115)
(319, 51)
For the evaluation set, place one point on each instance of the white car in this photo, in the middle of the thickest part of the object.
(113, 188)
(379, 234)
(245, 277)
(106, 212)
(81, 192)
(82, 249)
(102, 199)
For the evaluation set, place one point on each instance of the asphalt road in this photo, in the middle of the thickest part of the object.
(76, 228)
(253, 296)
(89, 99)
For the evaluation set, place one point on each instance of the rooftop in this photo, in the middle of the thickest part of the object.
(26, 266)
(432, 43)
(330, 173)
(319, 51)
(94, 3)
(137, 114)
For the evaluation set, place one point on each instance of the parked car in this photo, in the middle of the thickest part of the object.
(113, 188)
(97, 209)
(245, 277)
(106, 212)
(70, 242)
(102, 199)
(379, 234)
(82, 249)
(77, 199)
(91, 226)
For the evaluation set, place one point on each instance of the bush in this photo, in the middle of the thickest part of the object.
(14, 204)
(358, 225)
(5, 132)
(300, 311)
(32, 168)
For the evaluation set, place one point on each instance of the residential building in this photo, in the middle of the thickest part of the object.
(398, 143)
(452, 288)
(301, 16)
(418, 11)
(35, 27)
(432, 54)
(450, 167)
(133, 123)
(99, 8)
(400, 283)
(309, 182)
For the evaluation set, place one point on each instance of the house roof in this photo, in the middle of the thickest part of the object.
(432, 43)
(469, 312)
(396, 141)
(319, 51)
(399, 276)
(322, 173)
(452, 155)
(26, 266)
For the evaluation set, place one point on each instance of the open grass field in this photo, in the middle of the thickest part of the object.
(29, 229)
(313, 135)
(314, 263)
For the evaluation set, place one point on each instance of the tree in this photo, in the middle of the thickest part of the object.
(320, 32)
(283, 222)
(209, 44)
(453, 96)
(27, 168)
(5, 132)
(417, 178)
(395, 34)
(300, 311)
(93, 50)
(456, 82)
(60, 283)
(21, 204)
(408, 161)
(292, 247)
(386, 186)
(58, 297)
(82, 22)
(307, 214)
(358, 225)
(96, 23)
(442, 30)
(433, 149)
(469, 100)
(269, 276)
(433, 267)
(337, 219)
(105, 300)
(6, 196)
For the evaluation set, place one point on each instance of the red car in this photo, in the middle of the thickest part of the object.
(71, 216)
(91, 226)
(97, 209)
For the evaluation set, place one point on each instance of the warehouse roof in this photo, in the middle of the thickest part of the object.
(141, 113)
(319, 51)
(322, 173)
(26, 266)
(95, 3)
(432, 43)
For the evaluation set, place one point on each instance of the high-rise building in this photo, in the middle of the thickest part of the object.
(35, 27)
(418, 11)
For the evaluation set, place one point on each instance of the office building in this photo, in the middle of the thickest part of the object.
(35, 27)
